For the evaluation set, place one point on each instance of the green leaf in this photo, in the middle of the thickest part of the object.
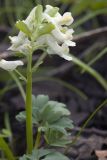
(23, 27)
(5, 133)
(44, 154)
(96, 58)
(61, 142)
(45, 28)
(21, 117)
(36, 154)
(56, 156)
(62, 124)
(39, 101)
(53, 11)
(56, 138)
(91, 71)
(52, 119)
(25, 157)
(38, 14)
(54, 111)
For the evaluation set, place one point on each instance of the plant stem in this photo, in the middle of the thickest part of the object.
(21, 76)
(29, 128)
(8, 127)
(6, 149)
(18, 84)
(39, 62)
(38, 140)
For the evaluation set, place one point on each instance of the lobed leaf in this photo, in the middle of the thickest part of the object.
(56, 156)
(44, 154)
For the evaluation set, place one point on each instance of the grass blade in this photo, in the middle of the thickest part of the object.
(96, 58)
(91, 71)
(88, 17)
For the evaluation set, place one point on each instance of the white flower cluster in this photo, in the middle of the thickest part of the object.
(60, 38)
(57, 41)
(50, 32)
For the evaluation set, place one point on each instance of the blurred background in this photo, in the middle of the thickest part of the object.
(81, 84)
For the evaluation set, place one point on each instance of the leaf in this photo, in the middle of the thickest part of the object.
(44, 154)
(51, 118)
(62, 124)
(97, 57)
(56, 156)
(5, 133)
(54, 111)
(91, 71)
(61, 143)
(53, 11)
(25, 157)
(39, 101)
(38, 14)
(56, 138)
(23, 27)
(36, 154)
(21, 117)
(45, 28)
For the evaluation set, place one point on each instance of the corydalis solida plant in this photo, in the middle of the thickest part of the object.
(49, 31)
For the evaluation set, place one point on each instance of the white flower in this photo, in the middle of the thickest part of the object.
(54, 48)
(59, 40)
(21, 43)
(10, 65)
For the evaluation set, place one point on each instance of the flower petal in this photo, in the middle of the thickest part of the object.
(54, 48)
(67, 19)
(10, 65)
(67, 57)
(58, 35)
(70, 43)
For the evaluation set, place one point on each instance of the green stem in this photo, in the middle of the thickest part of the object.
(39, 62)
(18, 84)
(29, 128)
(6, 149)
(21, 76)
(37, 144)
(8, 126)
